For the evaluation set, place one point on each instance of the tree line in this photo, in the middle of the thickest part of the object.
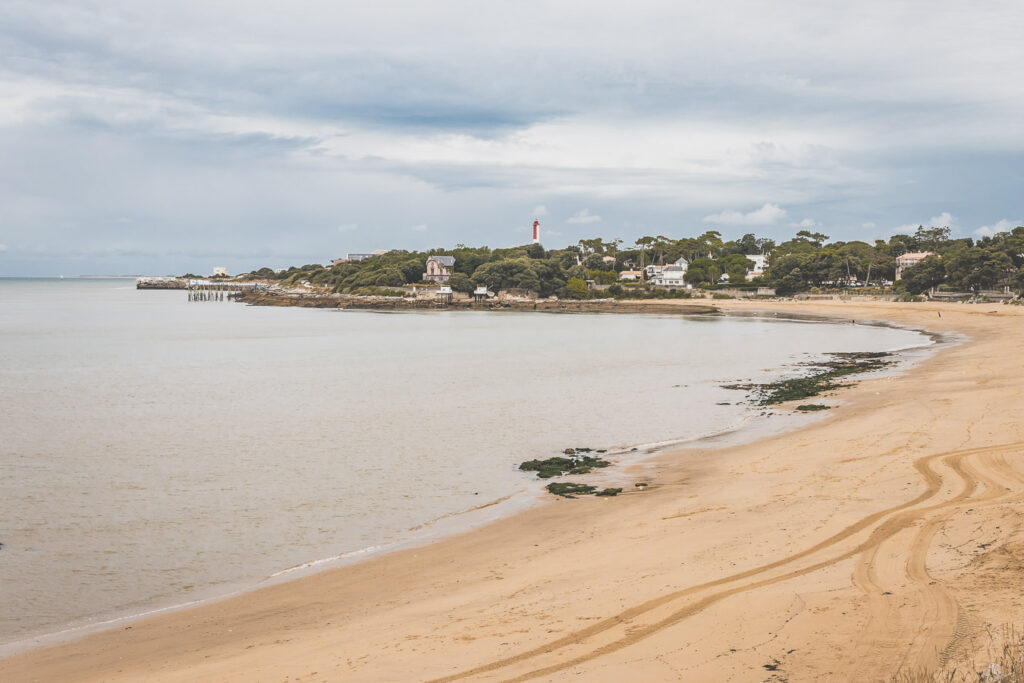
(806, 261)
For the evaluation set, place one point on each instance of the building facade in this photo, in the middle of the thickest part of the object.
(907, 260)
(670, 276)
(439, 268)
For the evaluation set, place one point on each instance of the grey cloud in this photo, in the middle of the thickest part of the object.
(194, 123)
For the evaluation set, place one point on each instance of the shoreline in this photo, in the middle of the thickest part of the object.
(397, 303)
(752, 426)
(668, 470)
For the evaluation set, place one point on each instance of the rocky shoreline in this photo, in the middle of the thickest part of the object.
(348, 301)
(160, 283)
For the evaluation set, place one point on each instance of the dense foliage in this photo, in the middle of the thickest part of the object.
(806, 261)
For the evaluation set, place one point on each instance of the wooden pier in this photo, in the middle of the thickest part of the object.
(213, 290)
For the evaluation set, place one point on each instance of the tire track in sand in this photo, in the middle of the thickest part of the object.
(650, 617)
(911, 616)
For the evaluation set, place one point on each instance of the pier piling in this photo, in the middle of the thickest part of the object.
(207, 290)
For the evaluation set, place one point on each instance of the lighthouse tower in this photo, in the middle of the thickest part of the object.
(536, 232)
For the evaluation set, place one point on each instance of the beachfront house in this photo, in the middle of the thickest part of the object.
(630, 275)
(760, 265)
(670, 276)
(652, 270)
(439, 268)
(909, 260)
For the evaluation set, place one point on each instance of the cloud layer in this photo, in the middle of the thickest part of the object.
(769, 214)
(133, 134)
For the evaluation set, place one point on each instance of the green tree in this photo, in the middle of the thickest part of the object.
(927, 273)
(791, 273)
(460, 282)
(703, 269)
(737, 266)
(748, 244)
(644, 244)
(931, 239)
(576, 288)
(814, 238)
(390, 277)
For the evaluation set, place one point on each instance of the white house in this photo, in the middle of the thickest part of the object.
(630, 275)
(760, 265)
(220, 270)
(670, 276)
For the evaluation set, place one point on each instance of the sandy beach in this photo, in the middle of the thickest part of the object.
(881, 539)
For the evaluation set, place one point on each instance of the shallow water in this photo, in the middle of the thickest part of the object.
(154, 451)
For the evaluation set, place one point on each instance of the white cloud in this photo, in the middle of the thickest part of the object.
(540, 211)
(1001, 226)
(3, 247)
(868, 225)
(422, 227)
(583, 216)
(347, 227)
(807, 224)
(768, 214)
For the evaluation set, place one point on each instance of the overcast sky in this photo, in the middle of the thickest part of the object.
(160, 137)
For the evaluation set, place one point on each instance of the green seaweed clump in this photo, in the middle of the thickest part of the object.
(811, 407)
(557, 466)
(825, 379)
(568, 489)
(609, 492)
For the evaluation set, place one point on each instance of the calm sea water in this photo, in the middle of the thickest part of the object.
(155, 451)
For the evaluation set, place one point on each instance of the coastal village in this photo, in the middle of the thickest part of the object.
(926, 265)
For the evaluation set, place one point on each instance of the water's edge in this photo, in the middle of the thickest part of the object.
(753, 426)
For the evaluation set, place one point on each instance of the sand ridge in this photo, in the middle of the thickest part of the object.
(880, 539)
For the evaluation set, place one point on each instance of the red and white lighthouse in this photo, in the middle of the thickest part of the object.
(536, 232)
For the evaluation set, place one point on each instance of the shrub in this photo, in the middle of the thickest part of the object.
(576, 288)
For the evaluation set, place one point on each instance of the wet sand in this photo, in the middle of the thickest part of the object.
(885, 536)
